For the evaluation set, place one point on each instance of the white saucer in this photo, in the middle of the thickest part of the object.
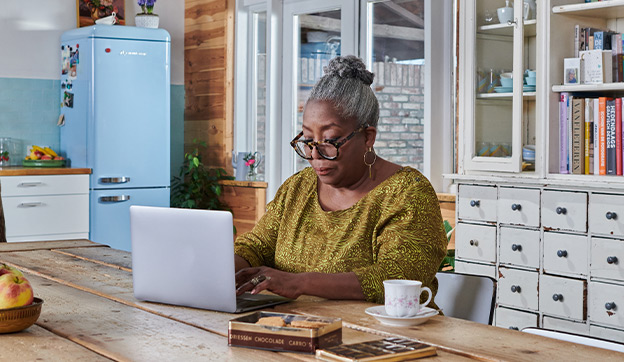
(379, 312)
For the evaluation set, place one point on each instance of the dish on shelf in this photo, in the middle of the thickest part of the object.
(528, 88)
(379, 312)
(43, 163)
(503, 89)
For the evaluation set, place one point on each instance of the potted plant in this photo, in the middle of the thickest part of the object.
(197, 186)
(146, 18)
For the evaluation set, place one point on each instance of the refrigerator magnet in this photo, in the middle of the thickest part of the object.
(68, 100)
(61, 120)
(65, 59)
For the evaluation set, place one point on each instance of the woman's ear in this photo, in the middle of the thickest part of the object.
(370, 133)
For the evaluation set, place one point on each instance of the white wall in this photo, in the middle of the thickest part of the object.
(30, 32)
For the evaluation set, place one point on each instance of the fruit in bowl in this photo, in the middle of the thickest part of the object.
(15, 289)
(43, 153)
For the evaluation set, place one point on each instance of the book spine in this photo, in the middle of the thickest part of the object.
(596, 118)
(614, 57)
(563, 133)
(618, 136)
(588, 130)
(578, 125)
(569, 124)
(582, 42)
(610, 134)
(577, 40)
(618, 57)
(602, 135)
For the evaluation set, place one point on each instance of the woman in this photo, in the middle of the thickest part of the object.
(341, 227)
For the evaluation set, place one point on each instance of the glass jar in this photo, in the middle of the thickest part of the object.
(7, 151)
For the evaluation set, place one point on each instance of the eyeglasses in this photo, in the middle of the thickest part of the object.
(328, 149)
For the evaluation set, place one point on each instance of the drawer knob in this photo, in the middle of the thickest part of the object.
(516, 207)
(612, 260)
(474, 242)
(611, 215)
(610, 306)
(562, 253)
(515, 289)
(558, 297)
(475, 203)
(561, 210)
(516, 247)
(514, 328)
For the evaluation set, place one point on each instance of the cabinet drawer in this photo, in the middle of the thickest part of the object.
(562, 297)
(564, 210)
(606, 304)
(563, 325)
(475, 269)
(606, 333)
(606, 214)
(519, 247)
(517, 288)
(37, 215)
(607, 258)
(44, 185)
(476, 242)
(519, 206)
(476, 203)
(514, 319)
(564, 253)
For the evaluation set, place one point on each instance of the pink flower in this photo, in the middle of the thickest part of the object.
(250, 162)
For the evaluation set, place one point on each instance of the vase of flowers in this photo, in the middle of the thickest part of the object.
(252, 161)
(146, 18)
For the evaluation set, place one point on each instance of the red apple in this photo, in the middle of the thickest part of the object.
(6, 269)
(59, 158)
(46, 157)
(15, 291)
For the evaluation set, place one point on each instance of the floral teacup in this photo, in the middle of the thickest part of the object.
(402, 297)
(109, 20)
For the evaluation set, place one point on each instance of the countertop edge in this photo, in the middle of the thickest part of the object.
(38, 171)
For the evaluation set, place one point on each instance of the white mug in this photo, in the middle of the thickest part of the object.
(402, 297)
(109, 20)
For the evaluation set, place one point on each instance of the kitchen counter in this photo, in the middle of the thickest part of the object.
(90, 313)
(36, 171)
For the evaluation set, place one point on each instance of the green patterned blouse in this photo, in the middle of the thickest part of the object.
(393, 232)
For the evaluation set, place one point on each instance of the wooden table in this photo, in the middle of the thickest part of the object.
(90, 313)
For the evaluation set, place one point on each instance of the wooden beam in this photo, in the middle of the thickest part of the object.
(404, 13)
(379, 30)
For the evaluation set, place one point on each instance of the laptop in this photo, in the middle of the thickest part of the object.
(186, 257)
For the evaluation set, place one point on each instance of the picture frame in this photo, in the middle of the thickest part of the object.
(88, 11)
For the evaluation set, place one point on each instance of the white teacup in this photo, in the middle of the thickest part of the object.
(109, 20)
(402, 297)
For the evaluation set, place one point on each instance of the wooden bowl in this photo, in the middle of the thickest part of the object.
(20, 318)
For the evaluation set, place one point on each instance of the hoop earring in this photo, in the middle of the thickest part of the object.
(370, 165)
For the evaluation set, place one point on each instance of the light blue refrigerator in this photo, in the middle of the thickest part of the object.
(115, 96)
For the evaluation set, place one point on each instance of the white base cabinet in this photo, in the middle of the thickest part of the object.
(51, 207)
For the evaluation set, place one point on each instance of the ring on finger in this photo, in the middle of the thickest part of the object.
(257, 280)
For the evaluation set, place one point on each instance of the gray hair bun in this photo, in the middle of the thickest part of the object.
(349, 66)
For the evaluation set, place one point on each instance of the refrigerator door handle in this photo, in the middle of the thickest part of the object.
(114, 180)
(120, 198)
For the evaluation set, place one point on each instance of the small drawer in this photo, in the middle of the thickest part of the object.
(476, 203)
(38, 215)
(519, 247)
(609, 334)
(475, 242)
(44, 185)
(607, 258)
(564, 325)
(475, 269)
(515, 319)
(564, 210)
(565, 253)
(562, 297)
(519, 206)
(517, 288)
(606, 214)
(606, 304)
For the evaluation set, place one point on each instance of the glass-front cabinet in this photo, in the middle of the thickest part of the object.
(498, 87)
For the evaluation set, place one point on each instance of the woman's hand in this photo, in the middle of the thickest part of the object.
(257, 279)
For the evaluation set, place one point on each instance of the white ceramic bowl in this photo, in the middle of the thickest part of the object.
(506, 75)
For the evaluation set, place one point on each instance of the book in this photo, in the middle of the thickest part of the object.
(588, 131)
(599, 40)
(569, 132)
(388, 349)
(597, 67)
(602, 135)
(596, 119)
(572, 71)
(610, 137)
(563, 133)
(578, 135)
(618, 136)
(577, 40)
(619, 58)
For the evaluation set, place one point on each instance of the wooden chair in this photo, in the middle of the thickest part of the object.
(469, 297)
(576, 338)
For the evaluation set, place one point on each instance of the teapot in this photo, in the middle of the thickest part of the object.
(505, 14)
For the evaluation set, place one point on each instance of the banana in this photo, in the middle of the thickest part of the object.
(37, 148)
(49, 151)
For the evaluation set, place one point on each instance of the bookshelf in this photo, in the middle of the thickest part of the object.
(559, 212)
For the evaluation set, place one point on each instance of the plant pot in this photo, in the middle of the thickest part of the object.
(146, 20)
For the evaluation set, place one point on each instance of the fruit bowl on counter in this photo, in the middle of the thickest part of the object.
(19, 309)
(43, 157)
(19, 318)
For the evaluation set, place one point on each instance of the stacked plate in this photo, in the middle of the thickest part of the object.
(528, 88)
(503, 89)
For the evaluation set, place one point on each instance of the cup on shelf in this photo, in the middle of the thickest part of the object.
(528, 153)
(506, 82)
(505, 14)
(530, 80)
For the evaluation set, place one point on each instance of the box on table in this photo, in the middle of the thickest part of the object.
(322, 333)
